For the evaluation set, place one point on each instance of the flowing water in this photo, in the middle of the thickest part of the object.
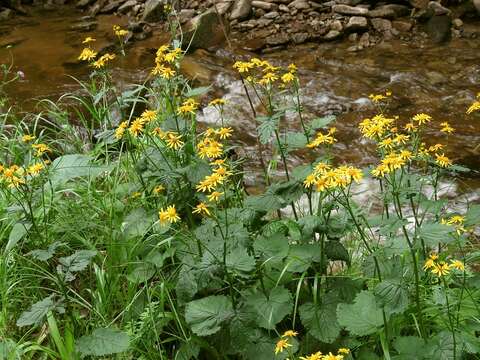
(439, 80)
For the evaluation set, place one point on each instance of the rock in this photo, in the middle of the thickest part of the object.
(185, 15)
(84, 3)
(364, 40)
(439, 28)
(458, 23)
(127, 6)
(299, 38)
(277, 39)
(350, 10)
(353, 37)
(381, 25)
(476, 3)
(438, 9)
(402, 26)
(283, 8)
(424, 14)
(6, 14)
(389, 11)
(271, 15)
(241, 10)
(356, 23)
(223, 7)
(436, 78)
(154, 10)
(267, 6)
(332, 35)
(204, 31)
(300, 4)
(419, 4)
(111, 6)
(84, 26)
(336, 25)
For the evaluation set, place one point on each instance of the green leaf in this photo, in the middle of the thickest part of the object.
(205, 316)
(18, 231)
(68, 167)
(321, 320)
(76, 262)
(137, 223)
(274, 247)
(265, 202)
(266, 129)
(141, 273)
(410, 347)
(336, 251)
(295, 140)
(434, 234)
(363, 317)
(319, 123)
(187, 351)
(442, 345)
(270, 311)
(239, 261)
(39, 310)
(44, 255)
(301, 256)
(103, 341)
(392, 295)
(197, 91)
(187, 285)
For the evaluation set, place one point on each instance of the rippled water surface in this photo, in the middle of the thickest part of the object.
(439, 80)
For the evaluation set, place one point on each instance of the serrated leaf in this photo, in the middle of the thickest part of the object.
(410, 346)
(39, 310)
(103, 341)
(322, 122)
(270, 311)
(76, 262)
(197, 91)
(239, 261)
(266, 129)
(44, 255)
(336, 251)
(187, 351)
(301, 256)
(392, 295)
(205, 316)
(265, 202)
(320, 321)
(271, 247)
(434, 234)
(68, 167)
(141, 273)
(137, 223)
(361, 318)
(19, 230)
(295, 140)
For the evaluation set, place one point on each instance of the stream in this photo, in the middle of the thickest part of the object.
(439, 80)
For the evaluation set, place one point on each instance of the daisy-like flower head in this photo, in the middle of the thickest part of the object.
(201, 208)
(281, 345)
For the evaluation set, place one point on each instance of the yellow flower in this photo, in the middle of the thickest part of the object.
(210, 182)
(163, 71)
(441, 269)
(292, 68)
(290, 333)
(224, 132)
(446, 128)
(268, 78)
(457, 264)
(422, 118)
(344, 351)
(35, 169)
(281, 345)
(330, 356)
(41, 149)
(377, 98)
(120, 130)
(410, 127)
(136, 127)
(174, 140)
(401, 139)
(288, 77)
(88, 40)
(222, 171)
(158, 189)
(209, 148)
(431, 261)
(149, 115)
(119, 31)
(322, 139)
(217, 102)
(316, 356)
(136, 194)
(13, 175)
(243, 67)
(214, 196)
(102, 61)
(160, 133)
(435, 148)
(201, 208)
(27, 138)
(168, 215)
(442, 160)
(188, 106)
(386, 143)
(87, 54)
(218, 162)
(474, 107)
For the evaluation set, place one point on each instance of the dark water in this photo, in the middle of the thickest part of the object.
(439, 80)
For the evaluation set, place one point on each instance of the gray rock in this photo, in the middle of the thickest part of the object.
(389, 11)
(364, 40)
(381, 25)
(267, 6)
(271, 15)
(241, 10)
(402, 26)
(438, 9)
(6, 14)
(356, 23)
(127, 6)
(299, 38)
(419, 4)
(300, 4)
(283, 8)
(154, 10)
(84, 26)
(84, 3)
(458, 23)
(186, 15)
(336, 25)
(353, 37)
(111, 6)
(223, 7)
(350, 10)
(332, 35)
(204, 31)
(476, 3)
(277, 39)
(439, 28)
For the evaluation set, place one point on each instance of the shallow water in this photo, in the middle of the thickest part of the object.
(439, 80)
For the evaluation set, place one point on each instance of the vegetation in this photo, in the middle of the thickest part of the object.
(137, 239)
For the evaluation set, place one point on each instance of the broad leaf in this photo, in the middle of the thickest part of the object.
(434, 234)
(320, 321)
(270, 310)
(239, 261)
(322, 122)
(103, 342)
(68, 167)
(44, 255)
(205, 316)
(39, 310)
(363, 317)
(76, 262)
(274, 247)
(141, 273)
(18, 231)
(336, 251)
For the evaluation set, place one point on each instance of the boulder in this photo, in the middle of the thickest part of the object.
(438, 9)
(419, 4)
(111, 6)
(204, 31)
(356, 23)
(185, 15)
(6, 14)
(439, 28)
(267, 6)
(350, 10)
(127, 6)
(300, 4)
(154, 10)
(332, 35)
(476, 3)
(84, 3)
(277, 39)
(241, 10)
(223, 7)
(381, 25)
(402, 26)
(389, 11)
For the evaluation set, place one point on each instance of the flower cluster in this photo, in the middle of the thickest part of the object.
(319, 356)
(118, 31)
(88, 54)
(166, 61)
(475, 106)
(440, 267)
(189, 106)
(324, 177)
(210, 146)
(168, 215)
(323, 139)
(377, 98)
(137, 126)
(263, 73)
